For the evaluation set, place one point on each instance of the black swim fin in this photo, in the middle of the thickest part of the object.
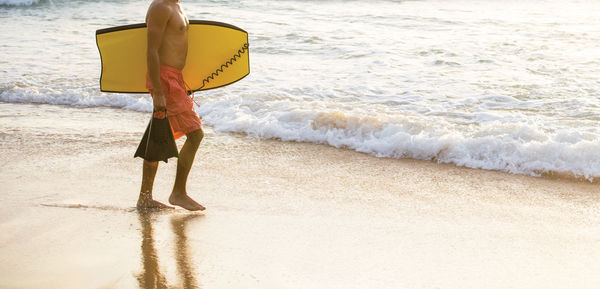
(158, 143)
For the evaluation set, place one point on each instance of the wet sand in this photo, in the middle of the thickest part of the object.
(280, 215)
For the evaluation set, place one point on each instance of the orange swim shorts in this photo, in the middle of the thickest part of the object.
(180, 107)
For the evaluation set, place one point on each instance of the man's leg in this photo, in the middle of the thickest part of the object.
(145, 200)
(179, 195)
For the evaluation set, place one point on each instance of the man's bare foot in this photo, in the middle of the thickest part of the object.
(184, 201)
(146, 204)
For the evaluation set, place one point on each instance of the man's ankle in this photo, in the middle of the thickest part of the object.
(178, 190)
(145, 195)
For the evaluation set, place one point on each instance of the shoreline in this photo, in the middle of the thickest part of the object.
(552, 175)
(280, 215)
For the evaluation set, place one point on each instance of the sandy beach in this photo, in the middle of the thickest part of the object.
(280, 215)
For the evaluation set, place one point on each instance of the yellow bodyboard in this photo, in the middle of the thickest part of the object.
(217, 56)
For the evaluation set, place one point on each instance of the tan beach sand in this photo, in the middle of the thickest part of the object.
(280, 215)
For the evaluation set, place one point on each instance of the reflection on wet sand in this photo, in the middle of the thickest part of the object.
(185, 268)
(151, 277)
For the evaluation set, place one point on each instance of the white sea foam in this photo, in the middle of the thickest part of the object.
(520, 148)
(76, 97)
(18, 2)
(515, 148)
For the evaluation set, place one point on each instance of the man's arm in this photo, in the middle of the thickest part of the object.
(157, 19)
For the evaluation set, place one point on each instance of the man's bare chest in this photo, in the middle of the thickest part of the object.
(179, 22)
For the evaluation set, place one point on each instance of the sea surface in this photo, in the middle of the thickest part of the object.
(500, 85)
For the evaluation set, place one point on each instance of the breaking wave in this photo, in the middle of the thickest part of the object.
(519, 148)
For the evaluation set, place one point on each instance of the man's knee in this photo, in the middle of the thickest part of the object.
(196, 136)
(150, 164)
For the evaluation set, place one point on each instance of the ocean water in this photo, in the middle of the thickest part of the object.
(499, 85)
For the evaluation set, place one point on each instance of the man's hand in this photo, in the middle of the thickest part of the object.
(159, 101)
